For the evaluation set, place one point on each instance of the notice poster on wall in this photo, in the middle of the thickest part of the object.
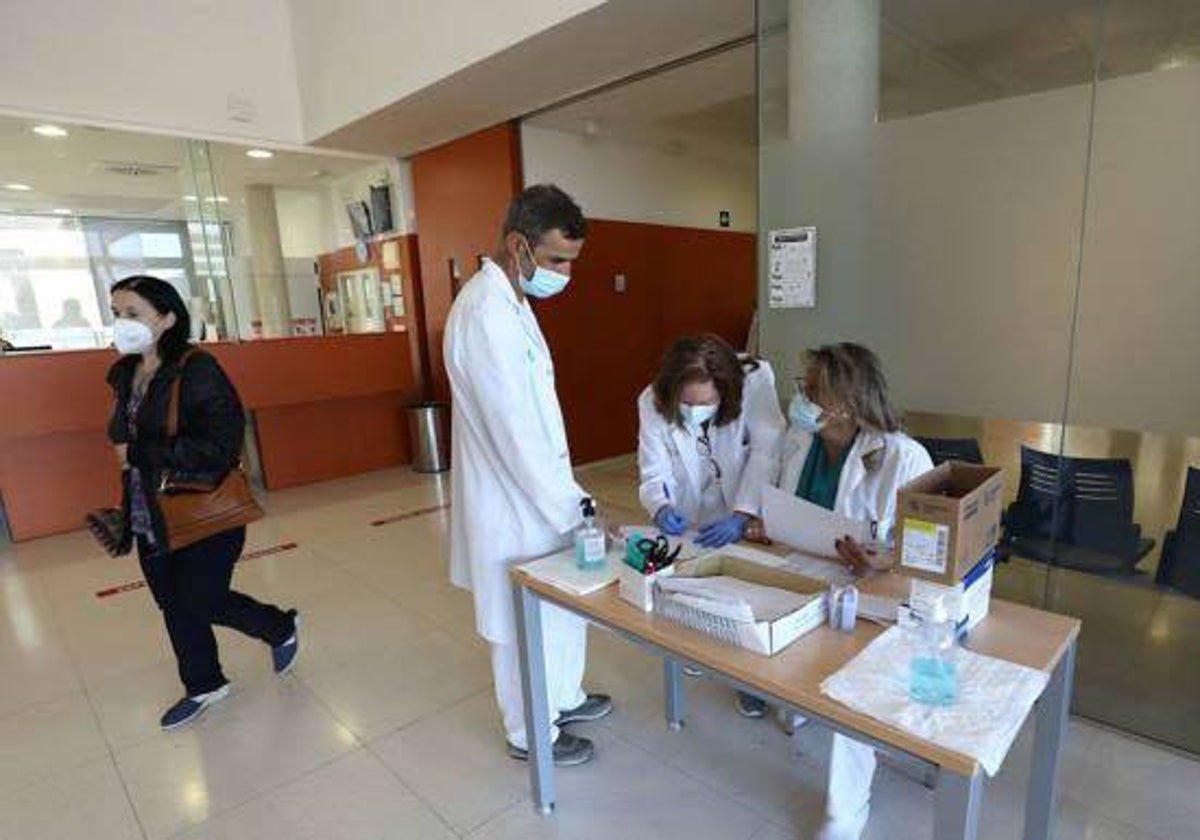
(792, 268)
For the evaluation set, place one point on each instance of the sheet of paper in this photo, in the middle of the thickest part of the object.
(808, 528)
(792, 268)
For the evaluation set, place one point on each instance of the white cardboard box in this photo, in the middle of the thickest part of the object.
(967, 601)
(637, 588)
(765, 637)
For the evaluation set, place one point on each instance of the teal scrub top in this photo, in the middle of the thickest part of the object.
(820, 477)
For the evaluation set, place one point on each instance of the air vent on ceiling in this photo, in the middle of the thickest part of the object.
(134, 169)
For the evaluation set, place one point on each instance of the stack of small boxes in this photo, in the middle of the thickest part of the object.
(947, 532)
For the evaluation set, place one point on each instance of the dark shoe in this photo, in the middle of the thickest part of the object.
(750, 706)
(594, 707)
(190, 708)
(283, 656)
(569, 751)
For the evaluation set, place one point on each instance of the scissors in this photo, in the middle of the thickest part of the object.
(657, 553)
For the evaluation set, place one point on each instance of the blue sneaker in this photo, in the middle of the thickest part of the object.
(284, 656)
(190, 708)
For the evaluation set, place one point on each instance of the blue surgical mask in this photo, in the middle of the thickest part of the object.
(695, 416)
(805, 414)
(543, 283)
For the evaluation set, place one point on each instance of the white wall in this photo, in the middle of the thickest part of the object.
(356, 56)
(168, 65)
(626, 181)
(960, 272)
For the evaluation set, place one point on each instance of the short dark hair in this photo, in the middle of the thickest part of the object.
(700, 358)
(542, 208)
(165, 299)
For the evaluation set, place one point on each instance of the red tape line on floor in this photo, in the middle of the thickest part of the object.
(249, 555)
(413, 514)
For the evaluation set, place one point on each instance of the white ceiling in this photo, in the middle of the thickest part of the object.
(73, 172)
(936, 54)
(612, 42)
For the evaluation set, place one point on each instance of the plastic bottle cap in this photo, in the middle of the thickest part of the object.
(589, 506)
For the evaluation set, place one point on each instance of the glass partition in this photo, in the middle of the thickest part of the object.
(242, 233)
(1004, 200)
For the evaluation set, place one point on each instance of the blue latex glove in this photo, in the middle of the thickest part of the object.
(724, 531)
(670, 521)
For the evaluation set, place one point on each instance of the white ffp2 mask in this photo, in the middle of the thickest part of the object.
(131, 336)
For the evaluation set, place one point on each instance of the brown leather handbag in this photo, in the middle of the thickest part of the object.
(193, 511)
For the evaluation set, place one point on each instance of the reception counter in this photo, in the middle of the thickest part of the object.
(322, 408)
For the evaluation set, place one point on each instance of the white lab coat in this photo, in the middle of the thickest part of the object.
(876, 466)
(672, 470)
(514, 495)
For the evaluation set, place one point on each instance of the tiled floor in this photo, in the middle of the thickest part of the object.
(387, 729)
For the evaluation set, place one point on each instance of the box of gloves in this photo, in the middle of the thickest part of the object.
(743, 602)
(967, 602)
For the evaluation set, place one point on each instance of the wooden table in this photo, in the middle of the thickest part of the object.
(792, 680)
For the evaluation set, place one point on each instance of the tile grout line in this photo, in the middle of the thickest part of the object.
(92, 710)
(365, 745)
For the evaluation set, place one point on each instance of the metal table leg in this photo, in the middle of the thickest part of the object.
(958, 801)
(537, 710)
(673, 692)
(1050, 729)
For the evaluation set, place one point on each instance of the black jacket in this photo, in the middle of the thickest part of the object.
(211, 425)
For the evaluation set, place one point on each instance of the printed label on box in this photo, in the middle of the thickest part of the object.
(926, 546)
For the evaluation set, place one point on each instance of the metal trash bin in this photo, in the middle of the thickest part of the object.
(430, 436)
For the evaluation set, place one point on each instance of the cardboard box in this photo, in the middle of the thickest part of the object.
(967, 602)
(765, 637)
(948, 520)
(637, 588)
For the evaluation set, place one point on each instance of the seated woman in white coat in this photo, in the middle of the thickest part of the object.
(708, 442)
(846, 452)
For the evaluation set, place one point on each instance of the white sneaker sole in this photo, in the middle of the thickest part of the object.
(206, 700)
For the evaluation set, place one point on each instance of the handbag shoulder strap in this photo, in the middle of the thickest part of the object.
(176, 386)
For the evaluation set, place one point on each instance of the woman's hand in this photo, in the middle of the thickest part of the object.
(854, 555)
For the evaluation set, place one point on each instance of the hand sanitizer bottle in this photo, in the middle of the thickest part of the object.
(589, 539)
(933, 675)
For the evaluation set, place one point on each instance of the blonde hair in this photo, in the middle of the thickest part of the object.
(853, 375)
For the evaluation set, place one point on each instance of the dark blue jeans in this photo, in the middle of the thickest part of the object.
(191, 587)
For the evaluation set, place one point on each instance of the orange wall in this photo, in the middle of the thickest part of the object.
(323, 407)
(344, 259)
(607, 345)
(461, 192)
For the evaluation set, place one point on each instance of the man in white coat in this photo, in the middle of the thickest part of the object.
(514, 493)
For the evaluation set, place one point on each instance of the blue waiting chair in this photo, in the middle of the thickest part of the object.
(1179, 566)
(952, 449)
(1076, 513)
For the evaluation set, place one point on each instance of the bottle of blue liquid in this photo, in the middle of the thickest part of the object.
(933, 678)
(589, 539)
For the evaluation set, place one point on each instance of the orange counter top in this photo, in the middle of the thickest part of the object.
(323, 407)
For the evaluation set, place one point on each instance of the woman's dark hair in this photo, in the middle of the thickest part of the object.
(542, 208)
(852, 375)
(166, 300)
(700, 358)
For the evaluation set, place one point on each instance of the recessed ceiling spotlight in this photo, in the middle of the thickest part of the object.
(61, 211)
(18, 187)
(260, 154)
(47, 130)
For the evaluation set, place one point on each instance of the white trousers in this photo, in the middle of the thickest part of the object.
(564, 640)
(848, 799)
